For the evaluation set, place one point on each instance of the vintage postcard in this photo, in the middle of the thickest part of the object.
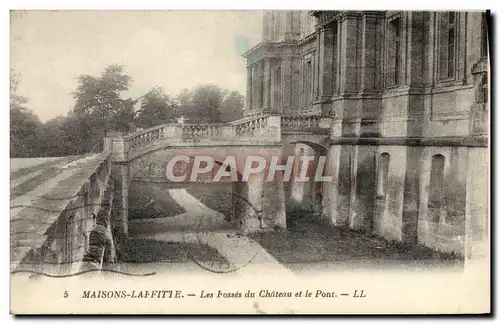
(249, 162)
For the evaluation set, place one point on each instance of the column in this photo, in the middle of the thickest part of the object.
(363, 204)
(348, 60)
(255, 86)
(276, 87)
(326, 60)
(251, 221)
(338, 58)
(288, 25)
(266, 84)
(286, 83)
(316, 65)
(344, 185)
(415, 41)
(274, 210)
(249, 89)
(368, 63)
(370, 108)
(266, 21)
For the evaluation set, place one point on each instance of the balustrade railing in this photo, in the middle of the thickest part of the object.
(146, 136)
(201, 130)
(244, 129)
(300, 121)
(253, 127)
(250, 127)
(219, 132)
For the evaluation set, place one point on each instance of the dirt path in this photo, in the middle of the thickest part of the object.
(204, 225)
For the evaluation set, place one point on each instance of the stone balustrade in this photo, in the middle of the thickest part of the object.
(147, 136)
(300, 121)
(243, 129)
(201, 130)
(252, 126)
(254, 130)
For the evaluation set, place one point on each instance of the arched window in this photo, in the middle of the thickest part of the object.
(436, 187)
(383, 175)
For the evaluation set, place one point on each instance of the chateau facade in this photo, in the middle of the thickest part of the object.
(408, 94)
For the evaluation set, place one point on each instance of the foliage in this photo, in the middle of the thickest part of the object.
(210, 103)
(232, 106)
(98, 99)
(156, 108)
(24, 125)
(100, 107)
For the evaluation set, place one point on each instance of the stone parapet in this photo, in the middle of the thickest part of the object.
(53, 231)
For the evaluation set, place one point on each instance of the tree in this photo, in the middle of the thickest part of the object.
(24, 124)
(98, 108)
(210, 103)
(156, 108)
(52, 141)
(208, 100)
(99, 98)
(232, 106)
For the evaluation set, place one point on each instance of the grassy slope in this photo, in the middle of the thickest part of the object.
(215, 196)
(140, 195)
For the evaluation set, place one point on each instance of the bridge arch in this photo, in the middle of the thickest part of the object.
(256, 203)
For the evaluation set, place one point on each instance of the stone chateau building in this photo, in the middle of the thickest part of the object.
(408, 92)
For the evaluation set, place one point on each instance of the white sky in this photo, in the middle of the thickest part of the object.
(172, 49)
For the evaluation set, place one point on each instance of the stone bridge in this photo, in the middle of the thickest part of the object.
(71, 213)
(262, 203)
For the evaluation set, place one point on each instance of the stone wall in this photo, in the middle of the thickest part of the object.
(67, 221)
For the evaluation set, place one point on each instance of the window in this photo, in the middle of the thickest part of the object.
(383, 175)
(308, 82)
(394, 52)
(451, 45)
(484, 35)
(436, 188)
(484, 88)
(334, 57)
(447, 45)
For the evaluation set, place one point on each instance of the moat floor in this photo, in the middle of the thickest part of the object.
(316, 247)
(308, 247)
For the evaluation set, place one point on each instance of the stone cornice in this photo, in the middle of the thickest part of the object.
(468, 141)
(308, 38)
(270, 50)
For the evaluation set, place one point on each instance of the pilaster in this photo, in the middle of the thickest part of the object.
(286, 82)
(266, 85)
(249, 89)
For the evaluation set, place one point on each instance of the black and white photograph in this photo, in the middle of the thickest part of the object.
(250, 161)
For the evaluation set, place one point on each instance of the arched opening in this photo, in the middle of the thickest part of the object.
(435, 204)
(305, 203)
(382, 191)
(383, 176)
(200, 204)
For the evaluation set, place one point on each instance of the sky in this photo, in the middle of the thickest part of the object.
(171, 49)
